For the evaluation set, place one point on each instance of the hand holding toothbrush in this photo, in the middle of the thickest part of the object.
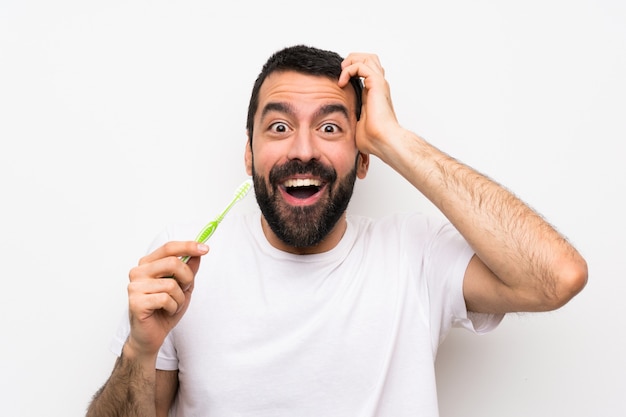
(157, 304)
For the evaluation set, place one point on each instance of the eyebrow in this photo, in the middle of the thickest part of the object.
(332, 108)
(287, 108)
(278, 107)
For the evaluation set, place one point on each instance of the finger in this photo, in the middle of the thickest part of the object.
(145, 297)
(365, 66)
(170, 267)
(178, 249)
(370, 60)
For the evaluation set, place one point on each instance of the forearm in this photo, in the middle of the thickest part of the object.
(130, 390)
(515, 242)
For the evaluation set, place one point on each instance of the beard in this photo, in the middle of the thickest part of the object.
(303, 226)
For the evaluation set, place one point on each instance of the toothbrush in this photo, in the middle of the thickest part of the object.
(208, 230)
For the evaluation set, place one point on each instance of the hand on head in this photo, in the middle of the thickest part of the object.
(378, 120)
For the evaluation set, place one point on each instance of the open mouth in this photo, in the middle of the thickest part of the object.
(302, 188)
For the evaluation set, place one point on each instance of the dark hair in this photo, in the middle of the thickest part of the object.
(306, 60)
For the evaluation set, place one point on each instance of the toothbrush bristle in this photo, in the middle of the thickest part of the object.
(208, 230)
(243, 190)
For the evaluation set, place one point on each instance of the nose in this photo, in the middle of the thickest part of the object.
(304, 146)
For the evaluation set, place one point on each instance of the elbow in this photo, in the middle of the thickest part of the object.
(571, 278)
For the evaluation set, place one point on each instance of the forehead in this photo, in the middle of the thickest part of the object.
(297, 88)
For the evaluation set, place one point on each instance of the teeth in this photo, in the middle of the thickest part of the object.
(302, 182)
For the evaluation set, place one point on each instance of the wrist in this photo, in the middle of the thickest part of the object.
(132, 352)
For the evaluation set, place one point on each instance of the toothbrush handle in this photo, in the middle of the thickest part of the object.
(208, 230)
(204, 235)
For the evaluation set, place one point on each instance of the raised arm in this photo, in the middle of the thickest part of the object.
(522, 263)
(156, 304)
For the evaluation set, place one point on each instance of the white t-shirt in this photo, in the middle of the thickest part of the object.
(351, 332)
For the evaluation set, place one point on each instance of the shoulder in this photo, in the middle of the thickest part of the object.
(403, 234)
(399, 224)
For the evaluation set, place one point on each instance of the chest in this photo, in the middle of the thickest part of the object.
(291, 333)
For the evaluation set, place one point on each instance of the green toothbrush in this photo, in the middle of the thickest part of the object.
(208, 230)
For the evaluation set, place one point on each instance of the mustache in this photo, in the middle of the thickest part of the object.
(293, 167)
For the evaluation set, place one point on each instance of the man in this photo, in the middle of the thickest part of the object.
(307, 311)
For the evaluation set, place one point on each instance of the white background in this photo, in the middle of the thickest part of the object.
(117, 117)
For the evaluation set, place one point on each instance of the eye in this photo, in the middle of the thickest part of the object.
(329, 128)
(279, 127)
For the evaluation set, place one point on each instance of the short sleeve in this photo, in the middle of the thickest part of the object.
(446, 259)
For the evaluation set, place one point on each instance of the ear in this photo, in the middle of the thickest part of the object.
(362, 165)
(248, 157)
